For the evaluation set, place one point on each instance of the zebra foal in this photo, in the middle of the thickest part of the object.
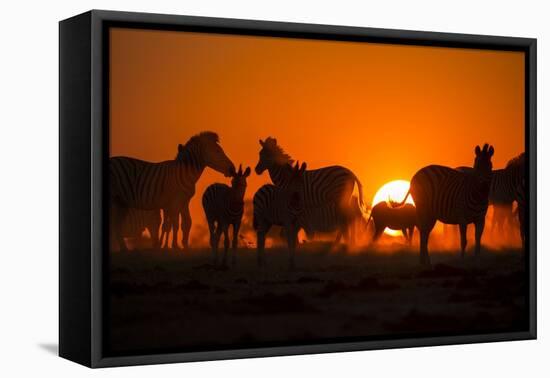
(224, 206)
(280, 206)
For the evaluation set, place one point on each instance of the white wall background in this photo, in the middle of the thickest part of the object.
(29, 186)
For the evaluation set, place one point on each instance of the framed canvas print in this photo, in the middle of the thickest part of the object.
(233, 188)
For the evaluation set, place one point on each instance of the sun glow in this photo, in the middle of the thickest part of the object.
(393, 191)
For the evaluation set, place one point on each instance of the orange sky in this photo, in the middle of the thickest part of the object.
(384, 111)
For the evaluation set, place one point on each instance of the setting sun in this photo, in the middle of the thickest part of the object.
(393, 191)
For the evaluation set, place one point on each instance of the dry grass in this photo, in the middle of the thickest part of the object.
(177, 300)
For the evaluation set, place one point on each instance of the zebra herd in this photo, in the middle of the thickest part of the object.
(318, 200)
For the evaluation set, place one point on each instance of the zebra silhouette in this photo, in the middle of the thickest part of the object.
(167, 185)
(402, 218)
(515, 169)
(507, 186)
(322, 186)
(280, 206)
(224, 206)
(452, 197)
(137, 221)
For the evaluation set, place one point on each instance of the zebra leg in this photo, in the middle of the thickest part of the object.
(292, 233)
(521, 213)
(235, 242)
(404, 232)
(339, 235)
(217, 236)
(463, 239)
(165, 233)
(425, 230)
(410, 238)
(185, 226)
(175, 225)
(480, 225)
(119, 215)
(225, 244)
(261, 232)
(154, 231)
(213, 246)
(377, 233)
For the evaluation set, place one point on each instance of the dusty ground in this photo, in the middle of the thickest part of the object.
(163, 301)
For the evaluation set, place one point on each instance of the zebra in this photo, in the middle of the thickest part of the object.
(224, 206)
(167, 185)
(452, 197)
(396, 218)
(506, 187)
(322, 186)
(136, 221)
(280, 206)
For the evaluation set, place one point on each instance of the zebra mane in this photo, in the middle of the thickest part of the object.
(208, 136)
(279, 155)
(184, 151)
(517, 162)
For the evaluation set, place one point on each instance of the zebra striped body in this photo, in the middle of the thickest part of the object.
(332, 184)
(220, 205)
(167, 185)
(148, 186)
(502, 195)
(503, 187)
(224, 206)
(452, 197)
(270, 208)
(279, 206)
(322, 187)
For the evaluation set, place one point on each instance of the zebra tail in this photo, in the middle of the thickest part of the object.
(404, 200)
(360, 190)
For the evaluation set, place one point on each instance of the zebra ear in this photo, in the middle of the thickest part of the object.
(491, 151)
(303, 167)
(296, 167)
(240, 172)
(261, 142)
(247, 172)
(478, 150)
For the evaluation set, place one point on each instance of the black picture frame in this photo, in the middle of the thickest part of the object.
(83, 122)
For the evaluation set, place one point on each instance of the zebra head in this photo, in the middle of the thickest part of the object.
(208, 151)
(294, 190)
(238, 180)
(271, 155)
(482, 163)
